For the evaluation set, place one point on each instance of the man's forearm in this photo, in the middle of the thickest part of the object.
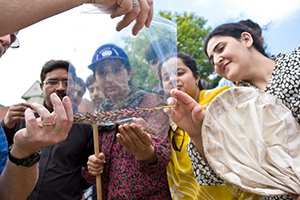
(28, 12)
(17, 182)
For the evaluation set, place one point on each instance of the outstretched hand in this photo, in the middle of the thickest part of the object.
(48, 129)
(136, 140)
(186, 113)
(139, 10)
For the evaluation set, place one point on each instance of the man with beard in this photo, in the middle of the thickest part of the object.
(97, 96)
(60, 164)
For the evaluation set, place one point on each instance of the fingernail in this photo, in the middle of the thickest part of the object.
(66, 99)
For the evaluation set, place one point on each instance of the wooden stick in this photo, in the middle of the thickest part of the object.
(96, 149)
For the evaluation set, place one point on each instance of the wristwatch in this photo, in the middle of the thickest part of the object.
(26, 162)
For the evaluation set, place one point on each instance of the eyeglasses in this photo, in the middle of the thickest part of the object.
(55, 82)
(174, 141)
(14, 41)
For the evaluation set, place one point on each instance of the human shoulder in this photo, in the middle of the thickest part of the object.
(214, 92)
(284, 57)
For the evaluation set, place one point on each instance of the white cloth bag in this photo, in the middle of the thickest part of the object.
(252, 140)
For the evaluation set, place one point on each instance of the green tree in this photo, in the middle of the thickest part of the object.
(191, 33)
(142, 74)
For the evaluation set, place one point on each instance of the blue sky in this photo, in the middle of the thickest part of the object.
(20, 68)
(282, 35)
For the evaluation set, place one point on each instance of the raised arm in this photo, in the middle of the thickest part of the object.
(16, 182)
(188, 115)
(18, 14)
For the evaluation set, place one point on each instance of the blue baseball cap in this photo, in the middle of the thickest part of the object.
(108, 51)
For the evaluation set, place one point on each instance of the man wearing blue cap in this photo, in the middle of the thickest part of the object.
(132, 162)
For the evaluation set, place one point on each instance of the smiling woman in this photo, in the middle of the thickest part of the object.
(181, 177)
(237, 54)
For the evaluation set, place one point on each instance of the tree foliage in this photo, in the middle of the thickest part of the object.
(191, 33)
(142, 75)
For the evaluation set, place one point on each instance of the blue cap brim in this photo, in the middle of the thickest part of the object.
(95, 64)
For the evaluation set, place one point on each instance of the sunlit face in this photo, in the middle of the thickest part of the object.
(96, 95)
(113, 78)
(59, 76)
(186, 81)
(229, 57)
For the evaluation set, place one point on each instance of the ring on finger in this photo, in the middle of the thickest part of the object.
(135, 3)
(47, 124)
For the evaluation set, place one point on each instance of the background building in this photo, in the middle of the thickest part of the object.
(33, 94)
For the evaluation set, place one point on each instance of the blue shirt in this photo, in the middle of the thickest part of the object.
(224, 82)
(3, 149)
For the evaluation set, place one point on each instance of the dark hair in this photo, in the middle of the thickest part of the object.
(187, 60)
(160, 48)
(252, 25)
(57, 64)
(235, 30)
(190, 62)
(90, 80)
(80, 81)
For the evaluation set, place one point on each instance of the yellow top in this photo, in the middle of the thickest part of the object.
(181, 178)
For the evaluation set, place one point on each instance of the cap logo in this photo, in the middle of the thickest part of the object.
(106, 53)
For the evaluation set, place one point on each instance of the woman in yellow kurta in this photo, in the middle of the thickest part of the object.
(181, 178)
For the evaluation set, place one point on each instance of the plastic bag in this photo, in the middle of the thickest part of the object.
(116, 70)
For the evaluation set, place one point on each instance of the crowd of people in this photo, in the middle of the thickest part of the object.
(44, 155)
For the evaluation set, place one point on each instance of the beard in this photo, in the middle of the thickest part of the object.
(61, 95)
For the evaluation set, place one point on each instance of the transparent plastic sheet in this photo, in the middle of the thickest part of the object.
(120, 80)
